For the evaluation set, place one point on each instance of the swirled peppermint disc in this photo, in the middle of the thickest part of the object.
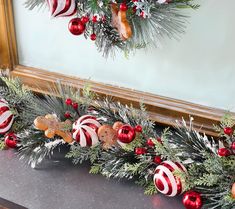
(85, 130)
(6, 117)
(62, 8)
(165, 180)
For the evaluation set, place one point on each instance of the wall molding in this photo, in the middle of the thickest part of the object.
(161, 109)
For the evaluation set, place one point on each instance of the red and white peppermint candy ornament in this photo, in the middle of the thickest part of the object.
(165, 181)
(85, 130)
(62, 8)
(6, 117)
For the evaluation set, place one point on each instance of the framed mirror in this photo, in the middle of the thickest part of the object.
(192, 76)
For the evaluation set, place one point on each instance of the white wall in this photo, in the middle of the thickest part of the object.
(200, 68)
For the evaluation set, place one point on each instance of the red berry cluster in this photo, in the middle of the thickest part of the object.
(150, 145)
(70, 102)
(225, 152)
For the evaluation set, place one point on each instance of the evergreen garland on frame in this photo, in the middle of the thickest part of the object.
(121, 25)
(206, 166)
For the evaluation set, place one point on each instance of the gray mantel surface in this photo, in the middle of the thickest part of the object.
(61, 185)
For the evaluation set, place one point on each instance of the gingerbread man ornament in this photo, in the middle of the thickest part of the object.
(52, 126)
(120, 22)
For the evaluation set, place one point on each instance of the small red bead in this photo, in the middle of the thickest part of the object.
(103, 18)
(140, 151)
(233, 146)
(224, 152)
(159, 140)
(75, 105)
(157, 159)
(69, 101)
(123, 7)
(94, 19)
(138, 128)
(85, 19)
(93, 37)
(142, 14)
(134, 9)
(228, 131)
(11, 140)
(150, 143)
(67, 115)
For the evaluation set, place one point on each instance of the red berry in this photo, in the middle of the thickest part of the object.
(103, 18)
(75, 105)
(140, 151)
(123, 7)
(94, 19)
(134, 9)
(233, 146)
(68, 101)
(142, 14)
(159, 140)
(138, 128)
(67, 115)
(85, 19)
(11, 140)
(224, 152)
(150, 143)
(157, 159)
(228, 131)
(93, 37)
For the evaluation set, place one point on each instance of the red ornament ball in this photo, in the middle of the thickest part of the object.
(76, 27)
(93, 37)
(11, 140)
(165, 181)
(138, 128)
(192, 200)
(123, 7)
(75, 105)
(150, 143)
(224, 152)
(68, 101)
(228, 131)
(85, 19)
(157, 159)
(140, 150)
(126, 134)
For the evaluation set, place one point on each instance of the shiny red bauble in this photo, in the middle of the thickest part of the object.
(11, 140)
(228, 131)
(140, 150)
(76, 27)
(123, 7)
(93, 37)
(192, 200)
(224, 152)
(138, 128)
(126, 134)
(85, 19)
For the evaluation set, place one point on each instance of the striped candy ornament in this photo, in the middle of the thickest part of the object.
(85, 130)
(165, 181)
(62, 8)
(6, 117)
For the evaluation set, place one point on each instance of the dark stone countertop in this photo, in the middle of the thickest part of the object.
(58, 184)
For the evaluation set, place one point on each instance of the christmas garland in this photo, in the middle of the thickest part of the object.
(121, 25)
(120, 142)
